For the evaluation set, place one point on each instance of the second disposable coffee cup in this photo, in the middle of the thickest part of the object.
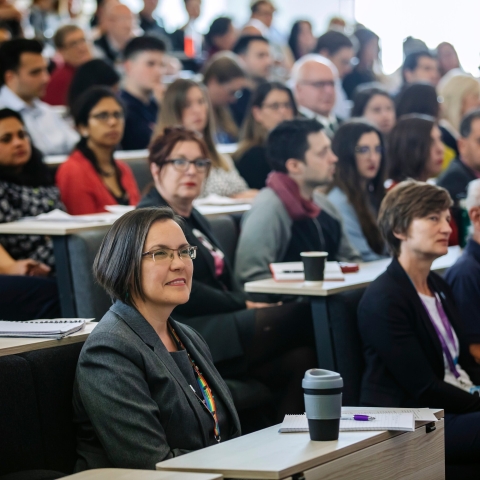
(314, 266)
(322, 391)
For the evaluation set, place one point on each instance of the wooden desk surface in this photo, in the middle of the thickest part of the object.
(367, 273)
(269, 454)
(124, 155)
(12, 346)
(127, 474)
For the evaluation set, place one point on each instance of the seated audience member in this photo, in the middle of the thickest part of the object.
(94, 73)
(12, 18)
(186, 103)
(314, 78)
(271, 104)
(72, 46)
(24, 78)
(26, 189)
(192, 8)
(367, 55)
(338, 48)
(224, 79)
(139, 369)
(118, 25)
(301, 40)
(151, 23)
(466, 167)
(254, 50)
(357, 189)
(415, 351)
(460, 93)
(5, 33)
(221, 36)
(420, 66)
(90, 179)
(447, 58)
(142, 87)
(253, 339)
(415, 149)
(464, 276)
(375, 104)
(422, 98)
(284, 220)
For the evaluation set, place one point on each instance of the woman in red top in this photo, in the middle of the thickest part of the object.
(91, 178)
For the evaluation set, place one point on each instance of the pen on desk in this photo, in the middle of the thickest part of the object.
(359, 418)
(292, 271)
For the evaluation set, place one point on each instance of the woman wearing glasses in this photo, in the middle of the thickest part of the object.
(91, 179)
(358, 189)
(146, 389)
(244, 337)
(271, 104)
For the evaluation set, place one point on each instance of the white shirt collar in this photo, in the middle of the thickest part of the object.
(9, 99)
(331, 119)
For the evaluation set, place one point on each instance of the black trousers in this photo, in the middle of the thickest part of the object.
(462, 438)
(28, 298)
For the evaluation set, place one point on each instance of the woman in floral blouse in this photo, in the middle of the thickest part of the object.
(26, 261)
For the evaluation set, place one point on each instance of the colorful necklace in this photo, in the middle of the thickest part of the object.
(208, 399)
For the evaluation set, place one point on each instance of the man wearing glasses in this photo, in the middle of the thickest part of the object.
(313, 77)
(74, 49)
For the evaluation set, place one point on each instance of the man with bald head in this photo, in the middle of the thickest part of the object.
(118, 25)
(314, 88)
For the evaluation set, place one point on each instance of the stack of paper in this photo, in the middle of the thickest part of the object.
(55, 328)
(293, 271)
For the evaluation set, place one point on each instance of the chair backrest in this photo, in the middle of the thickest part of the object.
(141, 171)
(347, 346)
(226, 231)
(91, 300)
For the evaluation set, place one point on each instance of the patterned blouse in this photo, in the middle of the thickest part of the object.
(18, 201)
(224, 183)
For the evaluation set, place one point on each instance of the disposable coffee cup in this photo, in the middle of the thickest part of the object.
(314, 266)
(322, 391)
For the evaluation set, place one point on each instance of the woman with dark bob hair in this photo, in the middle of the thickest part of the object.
(357, 188)
(375, 104)
(140, 371)
(91, 178)
(414, 348)
(26, 261)
(245, 337)
(271, 104)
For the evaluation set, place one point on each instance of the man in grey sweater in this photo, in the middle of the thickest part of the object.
(289, 216)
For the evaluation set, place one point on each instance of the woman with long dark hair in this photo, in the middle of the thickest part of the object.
(358, 185)
(91, 179)
(271, 104)
(26, 189)
(301, 40)
(221, 36)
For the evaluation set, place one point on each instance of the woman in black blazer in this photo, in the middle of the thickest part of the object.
(146, 388)
(414, 350)
(271, 343)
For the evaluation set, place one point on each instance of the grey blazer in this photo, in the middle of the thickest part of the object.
(132, 405)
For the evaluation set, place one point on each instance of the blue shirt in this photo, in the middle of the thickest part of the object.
(140, 120)
(464, 279)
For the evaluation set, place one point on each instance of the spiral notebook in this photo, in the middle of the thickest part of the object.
(404, 422)
(54, 328)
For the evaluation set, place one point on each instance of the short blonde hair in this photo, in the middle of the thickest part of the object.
(453, 89)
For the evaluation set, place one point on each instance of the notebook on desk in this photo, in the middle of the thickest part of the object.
(55, 328)
(404, 422)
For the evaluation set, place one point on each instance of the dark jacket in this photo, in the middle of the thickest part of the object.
(217, 305)
(132, 404)
(254, 167)
(456, 178)
(403, 355)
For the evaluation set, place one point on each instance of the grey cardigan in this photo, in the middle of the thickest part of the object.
(352, 225)
(266, 233)
(132, 404)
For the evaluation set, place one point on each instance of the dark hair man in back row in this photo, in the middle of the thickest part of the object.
(142, 89)
(466, 167)
(254, 50)
(420, 66)
(301, 158)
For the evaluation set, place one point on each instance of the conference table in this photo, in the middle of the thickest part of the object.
(321, 296)
(268, 454)
(129, 474)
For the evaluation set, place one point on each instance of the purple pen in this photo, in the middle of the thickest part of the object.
(359, 418)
